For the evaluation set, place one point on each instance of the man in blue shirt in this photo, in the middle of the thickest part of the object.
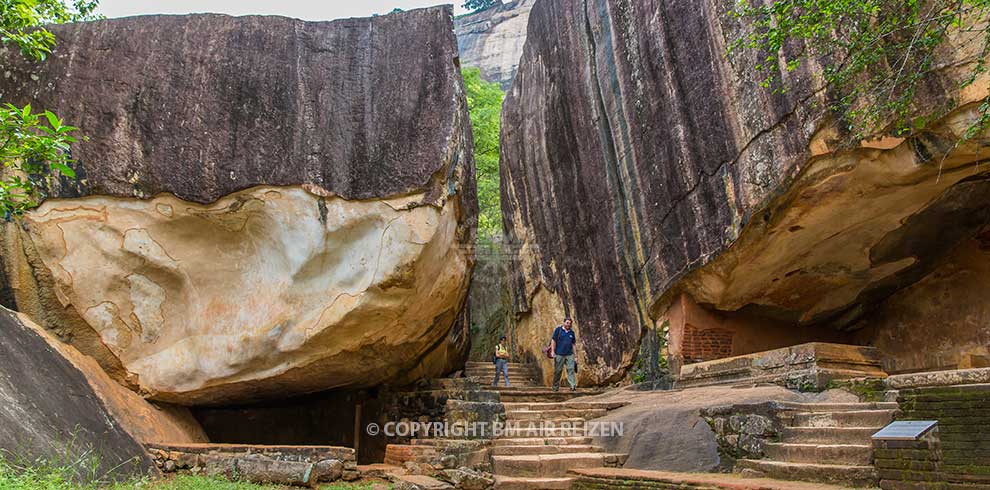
(562, 346)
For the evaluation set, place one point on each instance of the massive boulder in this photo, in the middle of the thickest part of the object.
(265, 206)
(53, 413)
(641, 163)
(492, 40)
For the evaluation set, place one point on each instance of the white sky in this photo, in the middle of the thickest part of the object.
(300, 9)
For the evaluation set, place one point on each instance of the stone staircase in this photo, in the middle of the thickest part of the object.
(544, 440)
(542, 436)
(825, 443)
(525, 384)
(545, 432)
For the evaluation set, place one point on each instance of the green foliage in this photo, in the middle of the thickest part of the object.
(651, 363)
(476, 5)
(188, 482)
(20, 22)
(485, 106)
(34, 147)
(47, 475)
(875, 53)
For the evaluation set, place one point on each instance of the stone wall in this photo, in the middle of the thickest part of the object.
(959, 458)
(910, 465)
(806, 367)
(697, 334)
(284, 465)
(742, 430)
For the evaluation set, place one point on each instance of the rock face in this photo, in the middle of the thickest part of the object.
(51, 412)
(266, 206)
(640, 162)
(492, 40)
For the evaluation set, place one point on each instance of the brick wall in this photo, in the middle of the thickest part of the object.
(956, 457)
(706, 344)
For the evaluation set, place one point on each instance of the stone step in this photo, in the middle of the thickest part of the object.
(846, 475)
(490, 373)
(827, 435)
(528, 483)
(568, 405)
(540, 388)
(551, 465)
(842, 454)
(838, 407)
(483, 364)
(520, 450)
(586, 414)
(544, 432)
(548, 423)
(547, 441)
(422, 482)
(540, 397)
(512, 368)
(631, 479)
(855, 418)
(515, 380)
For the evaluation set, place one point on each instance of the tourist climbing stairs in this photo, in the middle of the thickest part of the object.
(824, 442)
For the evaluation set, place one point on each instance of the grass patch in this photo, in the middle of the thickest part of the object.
(188, 482)
(49, 475)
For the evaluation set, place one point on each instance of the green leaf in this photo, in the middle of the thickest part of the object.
(64, 170)
(53, 120)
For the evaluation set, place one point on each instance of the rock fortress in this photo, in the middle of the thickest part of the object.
(267, 265)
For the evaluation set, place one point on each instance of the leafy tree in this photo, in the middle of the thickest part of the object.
(876, 53)
(476, 5)
(485, 105)
(21, 22)
(34, 146)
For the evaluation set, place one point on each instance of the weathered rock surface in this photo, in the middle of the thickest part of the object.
(492, 40)
(146, 422)
(51, 412)
(266, 206)
(640, 162)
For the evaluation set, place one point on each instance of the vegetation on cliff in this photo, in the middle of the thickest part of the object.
(873, 50)
(34, 147)
(476, 5)
(485, 104)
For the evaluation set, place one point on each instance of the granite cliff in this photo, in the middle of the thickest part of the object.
(641, 163)
(492, 40)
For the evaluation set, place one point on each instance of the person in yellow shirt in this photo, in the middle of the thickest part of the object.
(501, 361)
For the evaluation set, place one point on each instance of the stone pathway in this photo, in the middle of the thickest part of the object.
(824, 442)
(546, 432)
(619, 478)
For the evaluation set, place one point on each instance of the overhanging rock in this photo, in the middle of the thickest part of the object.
(266, 206)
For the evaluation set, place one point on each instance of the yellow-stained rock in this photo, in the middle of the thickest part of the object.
(272, 290)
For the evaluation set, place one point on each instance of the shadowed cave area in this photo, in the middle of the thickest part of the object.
(909, 291)
(320, 419)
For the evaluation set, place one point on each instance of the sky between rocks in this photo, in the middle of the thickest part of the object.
(300, 9)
